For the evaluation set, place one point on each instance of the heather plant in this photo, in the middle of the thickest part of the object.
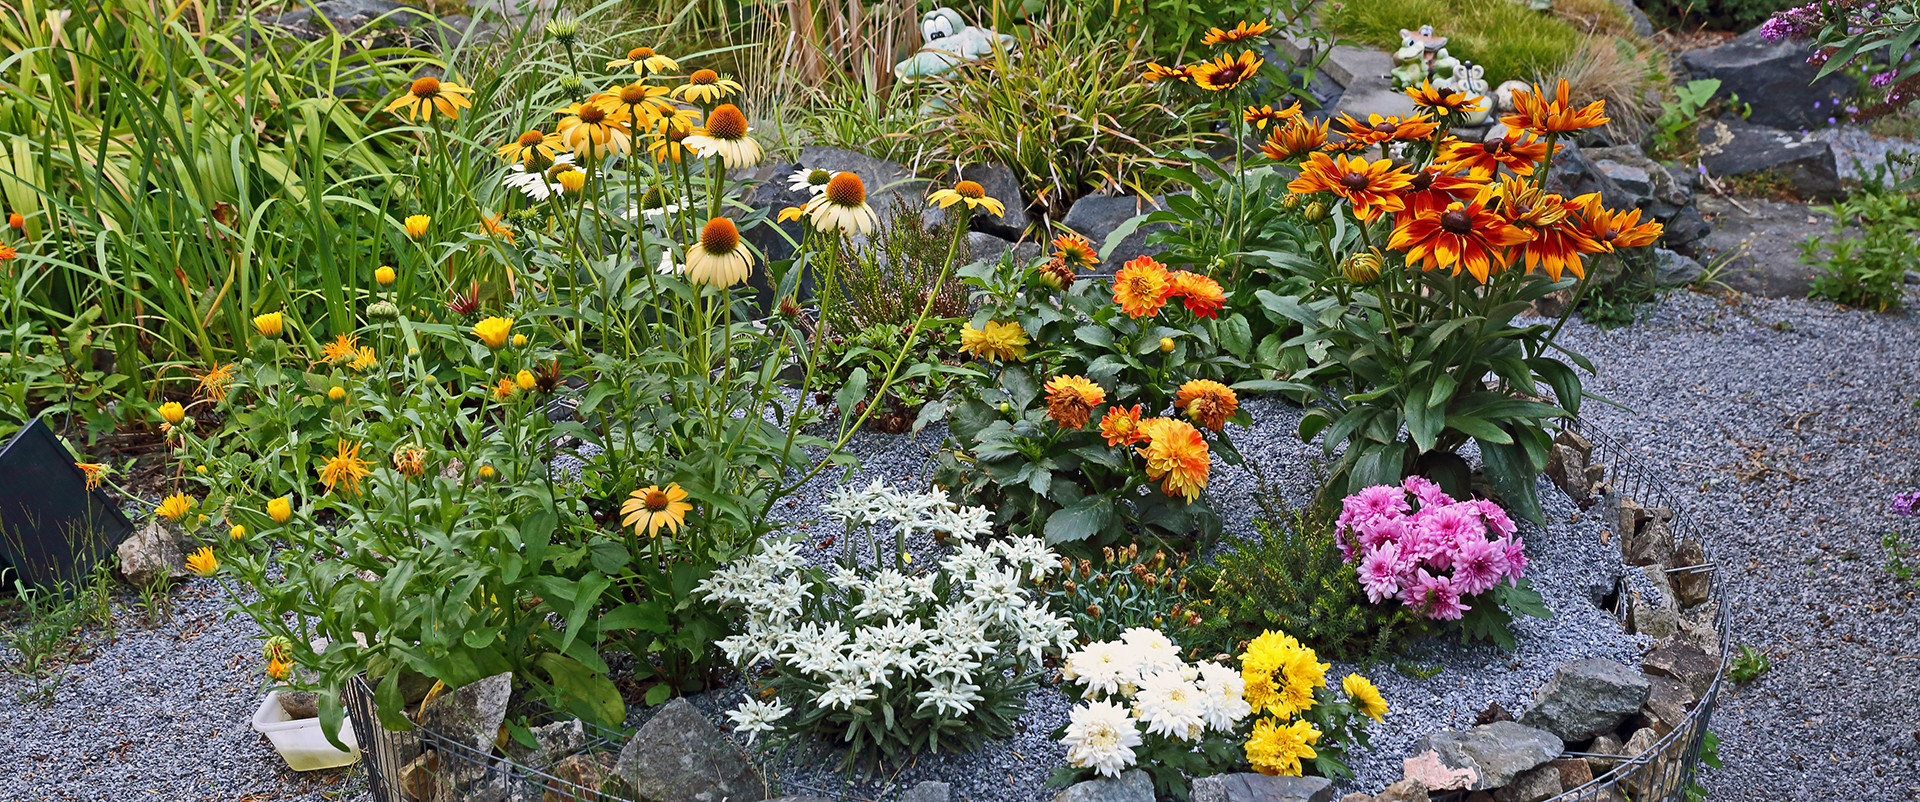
(1875, 37)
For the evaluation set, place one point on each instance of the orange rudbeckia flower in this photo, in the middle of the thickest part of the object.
(1536, 112)
(1372, 187)
(1378, 129)
(1518, 151)
(1463, 235)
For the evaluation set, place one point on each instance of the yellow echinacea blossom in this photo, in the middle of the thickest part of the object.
(428, 95)
(969, 193)
(652, 507)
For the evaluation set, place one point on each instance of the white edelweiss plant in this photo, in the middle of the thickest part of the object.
(881, 654)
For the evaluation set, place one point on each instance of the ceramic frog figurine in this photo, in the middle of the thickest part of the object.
(946, 42)
(1422, 56)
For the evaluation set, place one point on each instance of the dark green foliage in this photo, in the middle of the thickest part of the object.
(1292, 579)
(1868, 271)
(1720, 15)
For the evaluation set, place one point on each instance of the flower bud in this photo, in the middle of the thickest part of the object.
(383, 309)
(1292, 200)
(565, 30)
(1166, 344)
(383, 274)
(1363, 268)
(1316, 212)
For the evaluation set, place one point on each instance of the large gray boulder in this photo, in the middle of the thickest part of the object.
(1096, 217)
(1485, 757)
(151, 555)
(471, 714)
(1248, 787)
(1585, 698)
(1731, 146)
(1758, 242)
(1774, 77)
(927, 791)
(679, 756)
(1130, 786)
(1574, 173)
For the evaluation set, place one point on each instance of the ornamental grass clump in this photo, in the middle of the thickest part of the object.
(1461, 561)
(885, 657)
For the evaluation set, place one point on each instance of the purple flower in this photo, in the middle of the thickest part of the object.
(1435, 597)
(1907, 504)
(1516, 558)
(1380, 572)
(1427, 491)
(1478, 565)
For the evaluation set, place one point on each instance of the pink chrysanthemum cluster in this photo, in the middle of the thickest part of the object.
(1416, 544)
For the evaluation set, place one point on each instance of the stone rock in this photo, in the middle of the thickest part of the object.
(927, 791)
(1352, 797)
(1001, 185)
(1642, 26)
(1130, 786)
(470, 715)
(300, 704)
(1575, 441)
(1574, 772)
(1247, 787)
(1568, 470)
(552, 742)
(1656, 189)
(807, 798)
(1642, 740)
(1667, 704)
(1485, 757)
(1532, 785)
(1650, 543)
(1605, 744)
(151, 555)
(1493, 713)
(1574, 174)
(1651, 617)
(1700, 626)
(892, 188)
(985, 247)
(1670, 269)
(1362, 72)
(1631, 177)
(1684, 229)
(1695, 586)
(1480, 796)
(1759, 243)
(1096, 217)
(383, 23)
(1772, 76)
(1586, 698)
(1731, 146)
(1689, 664)
(679, 756)
(1406, 789)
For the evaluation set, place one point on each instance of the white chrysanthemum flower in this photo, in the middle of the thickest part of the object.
(1101, 736)
(1170, 705)
(812, 181)
(1225, 700)
(1152, 651)
(1106, 668)
(755, 716)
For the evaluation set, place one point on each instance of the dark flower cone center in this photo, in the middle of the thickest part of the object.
(531, 138)
(720, 236)
(1354, 182)
(727, 122)
(1456, 221)
(592, 114)
(1385, 128)
(1421, 182)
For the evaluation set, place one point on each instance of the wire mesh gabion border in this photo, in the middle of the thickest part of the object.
(422, 765)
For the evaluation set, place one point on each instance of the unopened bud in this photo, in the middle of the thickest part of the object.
(1316, 212)
(1363, 268)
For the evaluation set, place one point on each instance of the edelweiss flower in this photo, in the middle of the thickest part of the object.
(755, 716)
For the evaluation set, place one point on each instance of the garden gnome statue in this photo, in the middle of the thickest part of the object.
(946, 42)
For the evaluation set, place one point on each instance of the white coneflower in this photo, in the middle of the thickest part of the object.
(668, 267)
(652, 203)
(813, 181)
(720, 258)
(540, 183)
(843, 206)
(726, 136)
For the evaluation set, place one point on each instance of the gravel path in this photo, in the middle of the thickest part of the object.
(1818, 397)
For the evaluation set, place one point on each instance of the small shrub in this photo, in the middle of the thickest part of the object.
(1868, 271)
(1748, 665)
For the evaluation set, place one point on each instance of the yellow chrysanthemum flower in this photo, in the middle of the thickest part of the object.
(1280, 674)
(202, 562)
(995, 341)
(1176, 455)
(213, 383)
(1277, 749)
(1365, 696)
(175, 507)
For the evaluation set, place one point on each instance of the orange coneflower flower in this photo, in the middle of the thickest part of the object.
(532, 147)
(1260, 116)
(669, 145)
(1435, 187)
(1157, 72)
(1237, 33)
(1209, 403)
(1071, 399)
(1517, 151)
(345, 468)
(1557, 242)
(1378, 129)
(1142, 286)
(1200, 294)
(1535, 112)
(1226, 72)
(213, 383)
(652, 507)
(706, 86)
(1463, 235)
(1444, 101)
(1615, 230)
(1121, 426)
(676, 118)
(1372, 187)
(1293, 138)
(644, 60)
(641, 102)
(428, 95)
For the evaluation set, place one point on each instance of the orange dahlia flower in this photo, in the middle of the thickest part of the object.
(1201, 294)
(1121, 426)
(1071, 399)
(1176, 456)
(1141, 287)
(1209, 403)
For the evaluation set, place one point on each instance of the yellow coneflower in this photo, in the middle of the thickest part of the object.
(1296, 137)
(345, 468)
(1157, 72)
(641, 102)
(172, 412)
(670, 146)
(705, 86)
(1227, 72)
(969, 193)
(652, 507)
(843, 206)
(269, 324)
(644, 60)
(93, 471)
(427, 95)
(213, 383)
(202, 562)
(676, 118)
(593, 131)
(1237, 33)
(175, 507)
(726, 136)
(529, 148)
(1260, 116)
(417, 225)
(720, 259)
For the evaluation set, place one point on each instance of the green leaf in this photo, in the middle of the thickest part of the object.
(1236, 335)
(587, 592)
(1094, 334)
(852, 393)
(1081, 521)
(1511, 476)
(584, 690)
